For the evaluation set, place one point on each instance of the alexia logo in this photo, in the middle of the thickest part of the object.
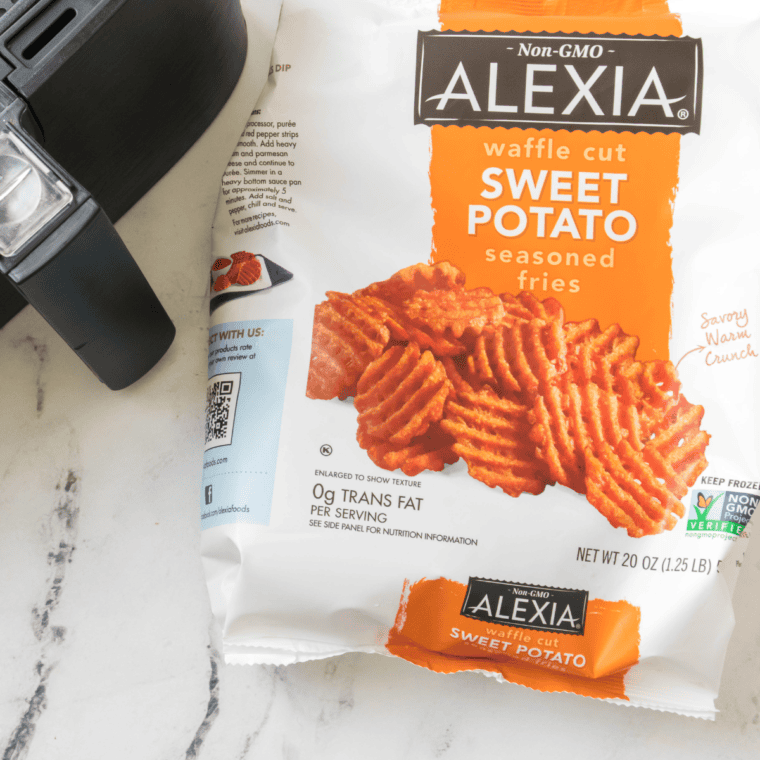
(541, 608)
(607, 82)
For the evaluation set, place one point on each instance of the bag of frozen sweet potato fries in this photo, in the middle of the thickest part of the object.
(483, 361)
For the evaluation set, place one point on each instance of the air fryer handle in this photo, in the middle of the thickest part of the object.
(79, 275)
(84, 282)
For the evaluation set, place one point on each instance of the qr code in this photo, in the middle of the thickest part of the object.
(221, 402)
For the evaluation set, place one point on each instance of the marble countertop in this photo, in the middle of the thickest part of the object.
(108, 647)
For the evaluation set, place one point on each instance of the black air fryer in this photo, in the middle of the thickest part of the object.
(98, 100)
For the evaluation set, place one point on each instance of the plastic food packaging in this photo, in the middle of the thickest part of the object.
(483, 362)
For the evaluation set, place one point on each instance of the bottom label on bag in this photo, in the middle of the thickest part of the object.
(432, 630)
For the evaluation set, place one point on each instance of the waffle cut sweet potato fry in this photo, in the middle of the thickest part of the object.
(496, 383)
(523, 354)
(400, 399)
(348, 334)
(620, 431)
(559, 416)
(492, 435)
(445, 321)
(407, 282)
(661, 450)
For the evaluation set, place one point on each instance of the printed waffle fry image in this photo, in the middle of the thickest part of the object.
(606, 436)
(400, 399)
(439, 319)
(419, 277)
(401, 394)
(349, 332)
(527, 400)
(244, 272)
(491, 435)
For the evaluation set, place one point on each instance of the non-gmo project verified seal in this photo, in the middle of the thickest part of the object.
(720, 512)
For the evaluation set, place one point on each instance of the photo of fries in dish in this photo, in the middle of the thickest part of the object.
(439, 373)
(242, 268)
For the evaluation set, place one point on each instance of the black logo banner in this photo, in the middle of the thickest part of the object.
(559, 81)
(540, 608)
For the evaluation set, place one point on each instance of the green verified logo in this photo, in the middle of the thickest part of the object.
(720, 513)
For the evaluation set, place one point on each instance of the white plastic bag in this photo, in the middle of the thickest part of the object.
(482, 359)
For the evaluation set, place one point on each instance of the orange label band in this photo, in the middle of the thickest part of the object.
(584, 217)
(613, 16)
(430, 631)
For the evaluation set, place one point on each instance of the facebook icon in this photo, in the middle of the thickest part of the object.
(209, 496)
